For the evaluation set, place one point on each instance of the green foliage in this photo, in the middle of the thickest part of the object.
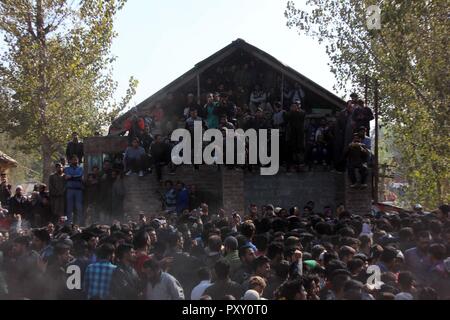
(55, 73)
(29, 167)
(409, 56)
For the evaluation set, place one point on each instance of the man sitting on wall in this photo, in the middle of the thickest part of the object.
(134, 159)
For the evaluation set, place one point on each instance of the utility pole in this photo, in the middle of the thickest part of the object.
(376, 160)
(366, 90)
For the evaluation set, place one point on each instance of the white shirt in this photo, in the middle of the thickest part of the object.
(198, 291)
(167, 288)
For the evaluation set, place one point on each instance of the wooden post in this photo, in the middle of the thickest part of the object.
(198, 88)
(376, 160)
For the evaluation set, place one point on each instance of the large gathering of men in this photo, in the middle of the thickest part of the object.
(70, 238)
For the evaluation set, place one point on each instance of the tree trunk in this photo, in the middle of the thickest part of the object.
(47, 165)
(46, 145)
(439, 192)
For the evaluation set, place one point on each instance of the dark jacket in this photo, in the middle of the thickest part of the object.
(362, 116)
(160, 152)
(56, 185)
(125, 284)
(357, 155)
(184, 269)
(242, 274)
(19, 205)
(222, 288)
(295, 130)
(75, 294)
(75, 148)
(5, 194)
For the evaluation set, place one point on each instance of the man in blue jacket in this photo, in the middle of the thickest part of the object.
(74, 193)
(182, 197)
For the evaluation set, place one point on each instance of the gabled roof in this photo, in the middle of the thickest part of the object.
(7, 161)
(220, 55)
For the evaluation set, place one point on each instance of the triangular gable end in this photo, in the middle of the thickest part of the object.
(195, 73)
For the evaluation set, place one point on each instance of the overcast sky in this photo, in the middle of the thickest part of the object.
(160, 40)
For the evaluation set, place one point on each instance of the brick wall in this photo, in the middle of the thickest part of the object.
(289, 189)
(235, 190)
(143, 192)
(358, 201)
(108, 144)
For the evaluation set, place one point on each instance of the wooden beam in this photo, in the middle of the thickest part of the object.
(198, 88)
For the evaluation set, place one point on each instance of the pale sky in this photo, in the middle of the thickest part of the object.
(159, 40)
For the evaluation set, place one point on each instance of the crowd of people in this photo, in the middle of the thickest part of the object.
(77, 224)
(69, 199)
(245, 95)
(267, 252)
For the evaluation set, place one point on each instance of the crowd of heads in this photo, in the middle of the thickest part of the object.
(187, 252)
(267, 252)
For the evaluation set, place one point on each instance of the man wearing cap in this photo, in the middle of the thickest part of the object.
(57, 189)
(365, 139)
(418, 209)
